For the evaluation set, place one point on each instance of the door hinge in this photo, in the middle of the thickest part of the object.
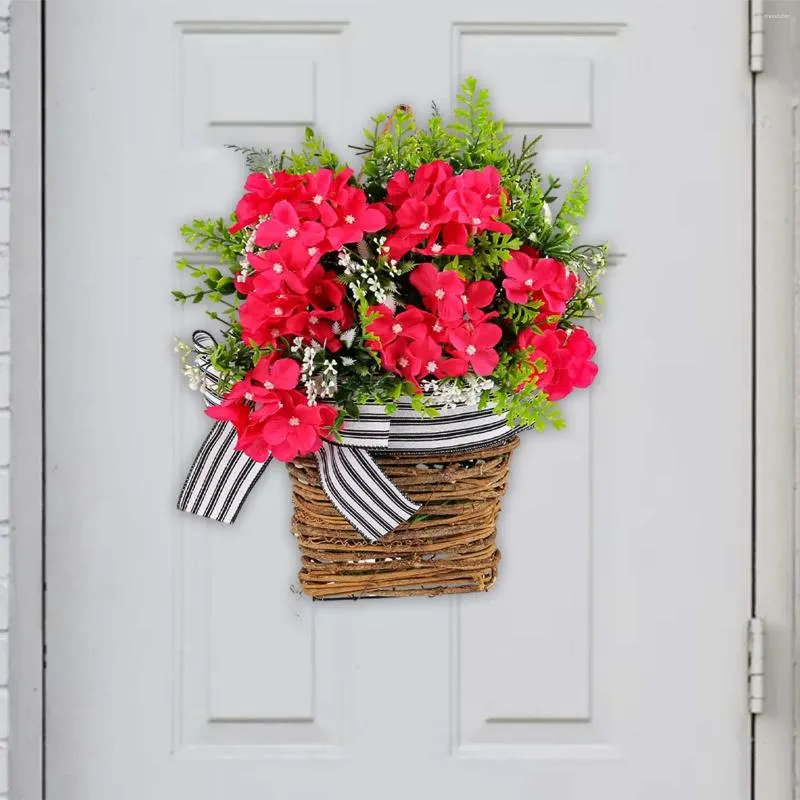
(756, 36)
(755, 665)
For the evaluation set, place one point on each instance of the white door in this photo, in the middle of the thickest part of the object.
(609, 661)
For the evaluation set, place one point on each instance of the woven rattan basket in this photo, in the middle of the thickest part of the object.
(449, 547)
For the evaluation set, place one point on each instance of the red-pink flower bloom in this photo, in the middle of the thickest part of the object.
(262, 195)
(264, 318)
(355, 217)
(413, 323)
(530, 279)
(284, 225)
(565, 356)
(259, 389)
(473, 346)
(323, 189)
(477, 296)
(297, 428)
(441, 291)
(412, 359)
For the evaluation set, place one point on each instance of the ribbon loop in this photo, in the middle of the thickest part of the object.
(221, 476)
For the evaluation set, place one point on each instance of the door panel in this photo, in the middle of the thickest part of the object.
(608, 662)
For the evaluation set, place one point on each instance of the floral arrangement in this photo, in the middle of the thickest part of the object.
(438, 272)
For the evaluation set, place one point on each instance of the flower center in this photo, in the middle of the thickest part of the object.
(312, 251)
(278, 312)
(294, 422)
(397, 328)
(470, 350)
(349, 219)
(402, 361)
(291, 233)
(439, 294)
(464, 299)
(476, 220)
(275, 332)
(318, 199)
(313, 320)
(248, 396)
(268, 385)
(437, 326)
(423, 226)
(431, 366)
(277, 268)
(241, 278)
(436, 248)
(529, 282)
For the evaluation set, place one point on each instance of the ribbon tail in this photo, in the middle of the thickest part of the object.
(220, 477)
(361, 492)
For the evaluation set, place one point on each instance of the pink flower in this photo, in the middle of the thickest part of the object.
(324, 189)
(259, 389)
(413, 323)
(474, 199)
(297, 428)
(546, 280)
(354, 218)
(473, 346)
(284, 225)
(441, 291)
(262, 195)
(563, 358)
(477, 296)
(413, 359)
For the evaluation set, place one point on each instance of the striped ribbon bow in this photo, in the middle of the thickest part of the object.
(221, 476)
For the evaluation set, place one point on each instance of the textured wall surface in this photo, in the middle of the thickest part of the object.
(4, 382)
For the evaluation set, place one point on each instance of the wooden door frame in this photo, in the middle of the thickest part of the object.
(776, 411)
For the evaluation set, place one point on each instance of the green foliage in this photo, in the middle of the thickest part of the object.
(313, 154)
(518, 395)
(213, 236)
(258, 159)
(519, 316)
(483, 137)
(573, 207)
(491, 249)
(211, 285)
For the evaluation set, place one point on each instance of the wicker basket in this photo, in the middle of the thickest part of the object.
(449, 547)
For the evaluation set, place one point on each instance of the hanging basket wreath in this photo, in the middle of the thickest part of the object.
(389, 333)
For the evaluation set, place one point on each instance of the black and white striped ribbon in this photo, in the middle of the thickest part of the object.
(221, 477)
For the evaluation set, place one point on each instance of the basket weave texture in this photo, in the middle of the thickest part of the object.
(449, 547)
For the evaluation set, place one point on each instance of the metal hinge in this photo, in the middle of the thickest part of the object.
(756, 35)
(755, 665)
